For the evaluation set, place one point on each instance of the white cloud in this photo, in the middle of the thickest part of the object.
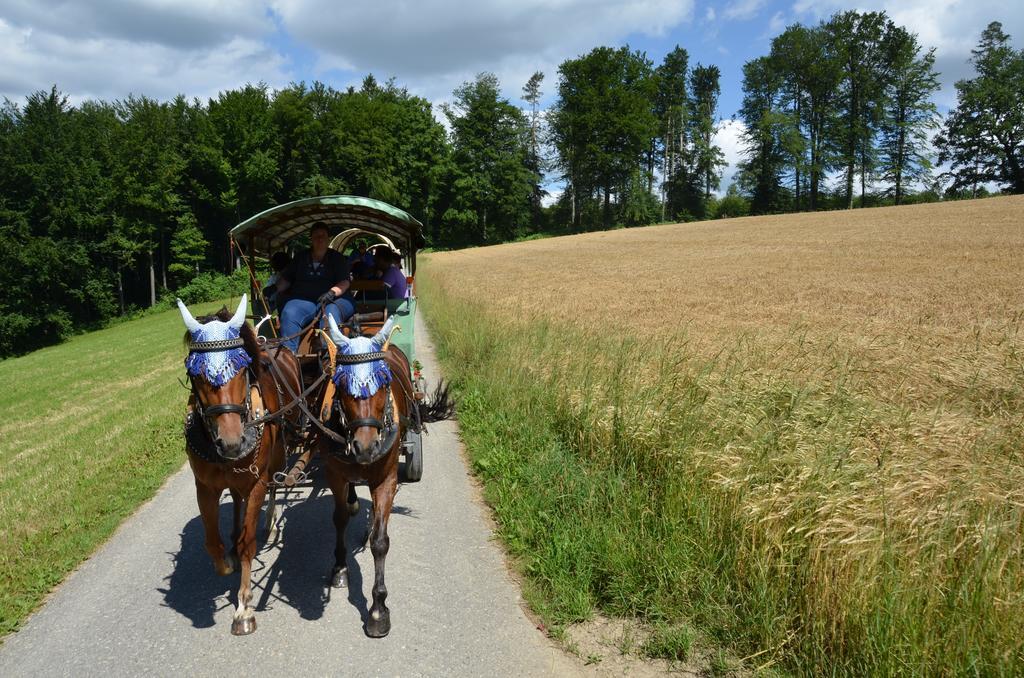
(441, 43)
(108, 49)
(729, 138)
(111, 68)
(743, 10)
(777, 24)
(951, 26)
(172, 23)
(709, 15)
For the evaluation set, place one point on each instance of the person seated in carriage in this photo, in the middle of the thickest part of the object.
(317, 276)
(389, 265)
(361, 261)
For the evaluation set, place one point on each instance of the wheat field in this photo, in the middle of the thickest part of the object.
(861, 412)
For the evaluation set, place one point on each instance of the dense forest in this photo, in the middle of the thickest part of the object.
(105, 207)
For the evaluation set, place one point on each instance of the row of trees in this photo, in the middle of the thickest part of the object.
(102, 205)
(619, 123)
(852, 98)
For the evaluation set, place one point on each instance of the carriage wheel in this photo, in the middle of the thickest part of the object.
(413, 457)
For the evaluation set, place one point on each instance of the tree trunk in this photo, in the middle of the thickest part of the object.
(863, 171)
(664, 167)
(572, 206)
(152, 281)
(797, 161)
(814, 170)
(120, 288)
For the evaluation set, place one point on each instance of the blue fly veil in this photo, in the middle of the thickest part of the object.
(216, 366)
(362, 380)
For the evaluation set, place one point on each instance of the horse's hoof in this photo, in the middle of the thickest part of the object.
(379, 627)
(224, 568)
(244, 626)
(339, 577)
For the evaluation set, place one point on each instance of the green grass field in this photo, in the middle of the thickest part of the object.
(798, 437)
(88, 431)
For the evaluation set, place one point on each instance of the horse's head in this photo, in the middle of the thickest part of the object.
(222, 349)
(368, 411)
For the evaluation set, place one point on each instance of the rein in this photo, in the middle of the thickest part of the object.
(197, 421)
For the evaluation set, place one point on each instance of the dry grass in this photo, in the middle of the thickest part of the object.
(883, 346)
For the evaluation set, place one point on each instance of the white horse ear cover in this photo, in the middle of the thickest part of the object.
(191, 323)
(217, 367)
(381, 337)
(239, 318)
(337, 337)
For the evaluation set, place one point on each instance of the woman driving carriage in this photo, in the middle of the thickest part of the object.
(317, 276)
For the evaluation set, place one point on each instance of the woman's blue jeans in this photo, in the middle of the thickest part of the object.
(298, 313)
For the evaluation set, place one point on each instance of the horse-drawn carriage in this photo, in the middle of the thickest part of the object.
(352, 219)
(350, 392)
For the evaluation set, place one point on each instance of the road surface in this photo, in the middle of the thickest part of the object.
(148, 601)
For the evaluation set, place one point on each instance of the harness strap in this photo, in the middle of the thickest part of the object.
(372, 422)
(332, 352)
(357, 358)
(299, 401)
(216, 345)
(230, 408)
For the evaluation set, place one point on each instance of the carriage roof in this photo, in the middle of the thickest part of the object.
(270, 230)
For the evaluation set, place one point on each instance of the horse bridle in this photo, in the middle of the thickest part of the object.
(250, 423)
(387, 430)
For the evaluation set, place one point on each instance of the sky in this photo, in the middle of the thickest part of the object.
(110, 49)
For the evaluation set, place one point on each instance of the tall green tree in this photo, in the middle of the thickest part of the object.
(490, 146)
(531, 95)
(707, 157)
(603, 124)
(806, 60)
(54, 210)
(909, 113)
(983, 139)
(671, 106)
(251, 145)
(767, 130)
(147, 176)
(857, 46)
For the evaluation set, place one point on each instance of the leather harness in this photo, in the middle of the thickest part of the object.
(197, 421)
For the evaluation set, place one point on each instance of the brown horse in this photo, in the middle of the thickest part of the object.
(373, 407)
(234, 386)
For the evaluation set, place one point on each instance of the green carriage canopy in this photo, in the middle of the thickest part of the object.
(271, 230)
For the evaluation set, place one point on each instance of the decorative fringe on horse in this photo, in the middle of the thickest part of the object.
(362, 380)
(218, 367)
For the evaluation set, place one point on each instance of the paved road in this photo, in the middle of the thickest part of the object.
(148, 602)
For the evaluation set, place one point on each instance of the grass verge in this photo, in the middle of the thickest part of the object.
(88, 431)
(788, 513)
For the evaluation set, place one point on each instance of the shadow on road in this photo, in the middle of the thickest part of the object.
(294, 569)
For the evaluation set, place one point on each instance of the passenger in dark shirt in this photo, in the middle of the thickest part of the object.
(317, 276)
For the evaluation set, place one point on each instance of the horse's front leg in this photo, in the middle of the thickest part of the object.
(340, 490)
(244, 620)
(237, 507)
(208, 499)
(379, 622)
(277, 464)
